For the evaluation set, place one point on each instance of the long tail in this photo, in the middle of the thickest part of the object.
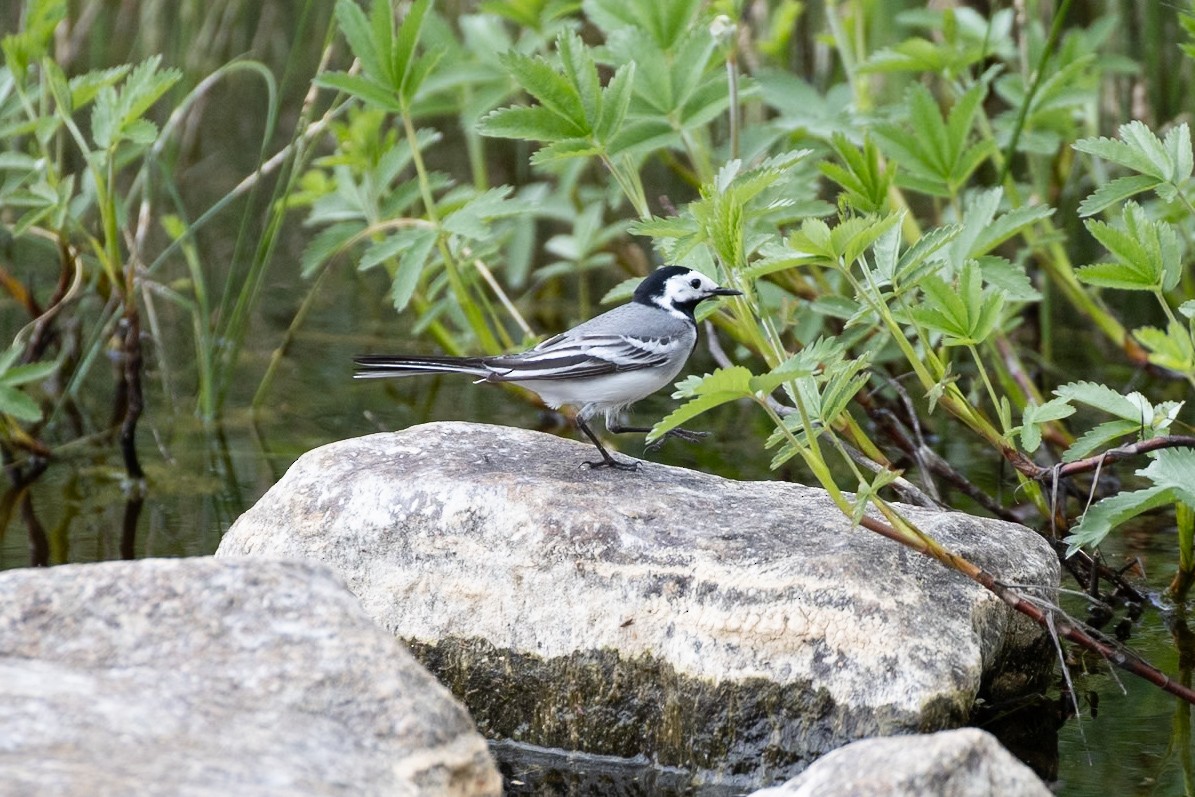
(373, 366)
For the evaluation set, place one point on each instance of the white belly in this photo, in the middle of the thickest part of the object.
(601, 393)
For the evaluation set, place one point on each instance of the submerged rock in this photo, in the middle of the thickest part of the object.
(202, 677)
(735, 629)
(963, 763)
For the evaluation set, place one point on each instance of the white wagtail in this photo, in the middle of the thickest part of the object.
(603, 365)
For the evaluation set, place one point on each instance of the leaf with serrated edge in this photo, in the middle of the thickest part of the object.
(410, 266)
(1099, 437)
(403, 54)
(1119, 152)
(1137, 134)
(535, 123)
(1174, 468)
(552, 89)
(1116, 191)
(1178, 145)
(1102, 397)
(356, 29)
(720, 387)
(1110, 512)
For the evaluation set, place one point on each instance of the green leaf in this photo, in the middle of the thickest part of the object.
(934, 156)
(402, 58)
(580, 71)
(83, 88)
(805, 363)
(1103, 516)
(104, 118)
(29, 372)
(420, 69)
(1171, 348)
(18, 161)
(532, 124)
(864, 180)
(1102, 397)
(1115, 275)
(141, 131)
(31, 44)
(329, 243)
(641, 134)
(1006, 226)
(615, 100)
(1178, 148)
(385, 249)
(368, 90)
(472, 219)
(1127, 152)
(856, 242)
(1116, 191)
(410, 266)
(705, 393)
(926, 246)
(565, 150)
(965, 315)
(1099, 437)
(1035, 415)
(117, 114)
(621, 292)
(552, 89)
(1008, 278)
(10, 356)
(1174, 469)
(362, 40)
(17, 405)
(1147, 252)
(1138, 135)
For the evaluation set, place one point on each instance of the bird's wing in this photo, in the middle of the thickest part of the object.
(569, 356)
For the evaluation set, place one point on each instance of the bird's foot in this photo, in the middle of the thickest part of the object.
(611, 462)
(688, 435)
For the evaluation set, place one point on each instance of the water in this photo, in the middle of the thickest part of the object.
(202, 476)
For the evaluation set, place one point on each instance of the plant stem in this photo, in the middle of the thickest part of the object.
(1039, 73)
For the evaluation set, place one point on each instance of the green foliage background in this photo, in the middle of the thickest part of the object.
(948, 221)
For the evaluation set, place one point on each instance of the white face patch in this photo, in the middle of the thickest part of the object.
(682, 289)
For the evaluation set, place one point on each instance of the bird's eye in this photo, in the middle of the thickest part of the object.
(696, 283)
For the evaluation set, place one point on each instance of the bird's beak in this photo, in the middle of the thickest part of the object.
(725, 292)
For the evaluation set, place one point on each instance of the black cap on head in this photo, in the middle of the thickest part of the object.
(653, 283)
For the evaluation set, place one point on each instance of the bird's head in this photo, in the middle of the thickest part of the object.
(679, 290)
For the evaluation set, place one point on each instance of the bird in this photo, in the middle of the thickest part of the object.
(602, 365)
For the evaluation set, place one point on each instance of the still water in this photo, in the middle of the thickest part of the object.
(202, 476)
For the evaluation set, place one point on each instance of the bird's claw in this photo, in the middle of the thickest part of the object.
(612, 463)
(688, 435)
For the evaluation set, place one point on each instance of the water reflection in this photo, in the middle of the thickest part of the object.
(19, 498)
(200, 477)
(1184, 643)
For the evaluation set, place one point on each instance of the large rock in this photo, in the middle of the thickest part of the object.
(204, 677)
(737, 629)
(964, 763)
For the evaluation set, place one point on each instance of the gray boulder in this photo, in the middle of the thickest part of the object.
(201, 677)
(738, 630)
(966, 762)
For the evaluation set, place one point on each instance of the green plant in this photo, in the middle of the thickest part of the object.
(941, 241)
(86, 172)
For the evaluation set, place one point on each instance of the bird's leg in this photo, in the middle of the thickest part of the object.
(688, 435)
(607, 460)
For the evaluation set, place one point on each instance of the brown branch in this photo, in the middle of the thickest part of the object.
(130, 384)
(1114, 654)
(1111, 455)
